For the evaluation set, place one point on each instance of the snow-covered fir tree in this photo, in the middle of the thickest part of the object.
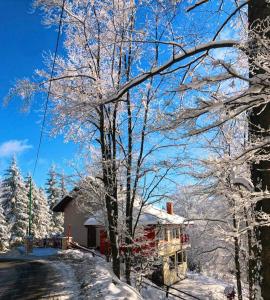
(54, 195)
(4, 236)
(63, 185)
(8, 203)
(14, 199)
(45, 217)
(41, 218)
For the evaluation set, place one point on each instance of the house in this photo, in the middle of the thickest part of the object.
(163, 234)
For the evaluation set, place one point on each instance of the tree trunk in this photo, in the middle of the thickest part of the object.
(237, 268)
(249, 241)
(237, 262)
(129, 205)
(110, 186)
(129, 202)
(259, 128)
(113, 237)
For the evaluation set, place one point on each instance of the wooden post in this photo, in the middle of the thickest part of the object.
(167, 291)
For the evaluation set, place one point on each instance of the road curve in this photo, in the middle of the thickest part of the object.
(27, 280)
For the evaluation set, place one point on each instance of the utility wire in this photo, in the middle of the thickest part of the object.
(49, 89)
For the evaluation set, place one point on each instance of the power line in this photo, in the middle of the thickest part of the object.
(49, 89)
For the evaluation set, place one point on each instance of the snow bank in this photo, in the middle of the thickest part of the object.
(203, 287)
(198, 285)
(97, 281)
(150, 291)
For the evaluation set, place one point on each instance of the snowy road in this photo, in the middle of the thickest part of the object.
(27, 280)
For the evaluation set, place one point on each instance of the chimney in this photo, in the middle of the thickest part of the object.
(170, 208)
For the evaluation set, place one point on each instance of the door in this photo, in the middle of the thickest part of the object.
(91, 236)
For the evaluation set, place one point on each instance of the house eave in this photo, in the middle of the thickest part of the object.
(61, 205)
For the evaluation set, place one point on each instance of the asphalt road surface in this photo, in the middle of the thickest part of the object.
(26, 280)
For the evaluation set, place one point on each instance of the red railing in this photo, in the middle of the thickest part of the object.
(184, 238)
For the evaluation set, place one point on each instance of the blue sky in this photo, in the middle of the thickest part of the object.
(23, 42)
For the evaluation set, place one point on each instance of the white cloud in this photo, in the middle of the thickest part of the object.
(13, 147)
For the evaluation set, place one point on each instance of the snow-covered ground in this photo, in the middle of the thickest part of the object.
(98, 282)
(88, 277)
(200, 286)
(96, 279)
(205, 287)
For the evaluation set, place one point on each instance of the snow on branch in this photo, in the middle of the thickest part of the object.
(177, 58)
(199, 3)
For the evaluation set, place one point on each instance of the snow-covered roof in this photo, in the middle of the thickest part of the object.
(97, 219)
(61, 205)
(150, 215)
(92, 221)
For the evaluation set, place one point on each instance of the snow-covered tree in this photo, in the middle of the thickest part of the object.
(15, 203)
(54, 195)
(41, 218)
(63, 187)
(4, 236)
(113, 58)
(221, 203)
(44, 220)
(6, 192)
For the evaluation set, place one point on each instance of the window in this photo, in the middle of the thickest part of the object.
(184, 256)
(181, 257)
(160, 234)
(172, 262)
(177, 233)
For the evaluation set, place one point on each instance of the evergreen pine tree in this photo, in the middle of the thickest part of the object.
(40, 211)
(45, 217)
(4, 236)
(14, 199)
(54, 195)
(63, 185)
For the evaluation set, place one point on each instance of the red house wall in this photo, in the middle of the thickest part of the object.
(145, 244)
(104, 242)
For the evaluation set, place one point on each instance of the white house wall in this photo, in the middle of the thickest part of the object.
(74, 217)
